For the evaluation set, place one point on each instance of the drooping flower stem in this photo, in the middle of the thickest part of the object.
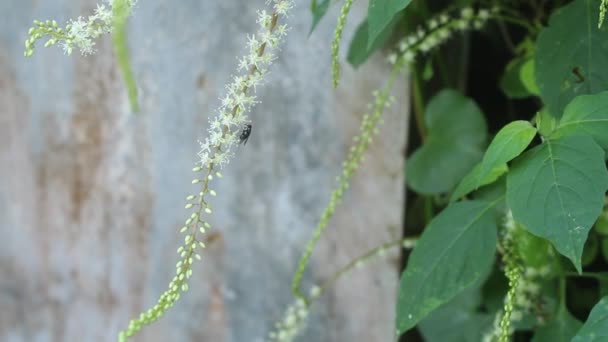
(354, 158)
(216, 152)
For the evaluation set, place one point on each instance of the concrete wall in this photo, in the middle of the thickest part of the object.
(92, 196)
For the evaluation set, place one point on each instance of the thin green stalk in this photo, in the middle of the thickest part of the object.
(335, 45)
(120, 11)
(362, 259)
(351, 164)
(418, 99)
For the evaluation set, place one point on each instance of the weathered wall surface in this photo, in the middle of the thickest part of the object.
(91, 196)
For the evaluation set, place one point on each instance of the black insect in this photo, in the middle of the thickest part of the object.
(579, 75)
(245, 134)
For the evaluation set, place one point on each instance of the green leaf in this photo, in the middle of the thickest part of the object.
(455, 252)
(526, 75)
(511, 83)
(455, 141)
(474, 180)
(596, 326)
(571, 55)
(509, 142)
(380, 13)
(556, 191)
(318, 12)
(586, 115)
(458, 320)
(560, 329)
(359, 49)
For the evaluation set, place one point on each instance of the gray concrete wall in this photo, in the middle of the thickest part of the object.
(91, 196)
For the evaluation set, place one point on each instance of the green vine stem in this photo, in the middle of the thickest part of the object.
(120, 12)
(295, 317)
(407, 243)
(355, 156)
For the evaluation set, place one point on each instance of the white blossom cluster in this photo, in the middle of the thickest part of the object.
(79, 33)
(438, 30)
(225, 128)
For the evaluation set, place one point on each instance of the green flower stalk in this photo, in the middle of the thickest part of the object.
(335, 45)
(438, 30)
(294, 321)
(355, 156)
(223, 135)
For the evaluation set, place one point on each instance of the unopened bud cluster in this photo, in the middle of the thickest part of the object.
(294, 321)
(79, 33)
(438, 30)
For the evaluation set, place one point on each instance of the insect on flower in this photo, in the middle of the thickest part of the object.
(245, 134)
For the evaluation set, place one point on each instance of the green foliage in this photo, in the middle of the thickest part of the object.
(528, 80)
(474, 180)
(586, 115)
(509, 142)
(457, 135)
(560, 329)
(380, 14)
(318, 12)
(359, 49)
(570, 56)
(595, 328)
(556, 190)
(511, 83)
(454, 253)
(458, 320)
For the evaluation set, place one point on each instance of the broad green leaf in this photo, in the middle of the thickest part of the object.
(511, 83)
(509, 142)
(595, 328)
(560, 329)
(454, 253)
(556, 191)
(526, 75)
(473, 180)
(586, 115)
(380, 13)
(318, 12)
(570, 57)
(455, 141)
(359, 50)
(458, 320)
